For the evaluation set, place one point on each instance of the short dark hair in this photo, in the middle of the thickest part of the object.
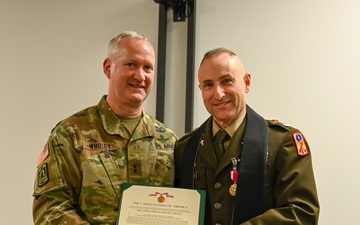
(216, 51)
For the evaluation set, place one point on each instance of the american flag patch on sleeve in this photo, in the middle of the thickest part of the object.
(44, 153)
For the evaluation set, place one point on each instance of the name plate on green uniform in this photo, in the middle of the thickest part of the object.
(152, 205)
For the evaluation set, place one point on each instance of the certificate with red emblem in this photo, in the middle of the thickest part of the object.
(153, 205)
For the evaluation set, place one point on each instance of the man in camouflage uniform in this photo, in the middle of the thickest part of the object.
(89, 155)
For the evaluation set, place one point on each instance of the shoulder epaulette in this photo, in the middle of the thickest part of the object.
(285, 126)
(187, 135)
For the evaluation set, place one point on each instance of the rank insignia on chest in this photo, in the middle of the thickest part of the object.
(135, 167)
(300, 144)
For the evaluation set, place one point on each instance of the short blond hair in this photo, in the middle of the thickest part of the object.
(115, 42)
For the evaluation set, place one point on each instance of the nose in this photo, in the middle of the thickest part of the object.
(139, 74)
(219, 92)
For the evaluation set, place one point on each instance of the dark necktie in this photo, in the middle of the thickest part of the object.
(219, 140)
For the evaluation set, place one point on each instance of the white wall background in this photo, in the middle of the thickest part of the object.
(303, 56)
(51, 55)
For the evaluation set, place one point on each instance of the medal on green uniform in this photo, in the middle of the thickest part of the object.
(232, 189)
(234, 174)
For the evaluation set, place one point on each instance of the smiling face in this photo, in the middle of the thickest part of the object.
(224, 85)
(130, 70)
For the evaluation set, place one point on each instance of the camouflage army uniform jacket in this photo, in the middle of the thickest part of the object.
(88, 157)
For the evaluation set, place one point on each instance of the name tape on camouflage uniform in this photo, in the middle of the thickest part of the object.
(99, 146)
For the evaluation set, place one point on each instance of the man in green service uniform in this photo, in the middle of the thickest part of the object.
(90, 154)
(255, 172)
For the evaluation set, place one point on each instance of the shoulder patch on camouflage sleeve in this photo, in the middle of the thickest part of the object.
(43, 155)
(300, 144)
(43, 175)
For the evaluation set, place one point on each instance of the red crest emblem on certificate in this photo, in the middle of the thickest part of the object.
(161, 198)
(300, 144)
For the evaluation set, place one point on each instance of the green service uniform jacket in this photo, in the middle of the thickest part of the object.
(276, 182)
(88, 157)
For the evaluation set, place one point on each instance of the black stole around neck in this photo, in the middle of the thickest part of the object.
(250, 199)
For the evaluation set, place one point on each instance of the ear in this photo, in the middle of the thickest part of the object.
(107, 67)
(247, 80)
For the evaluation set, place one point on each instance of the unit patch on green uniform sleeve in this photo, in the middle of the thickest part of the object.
(300, 144)
(43, 175)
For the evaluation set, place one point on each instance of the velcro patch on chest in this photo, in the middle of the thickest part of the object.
(300, 144)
